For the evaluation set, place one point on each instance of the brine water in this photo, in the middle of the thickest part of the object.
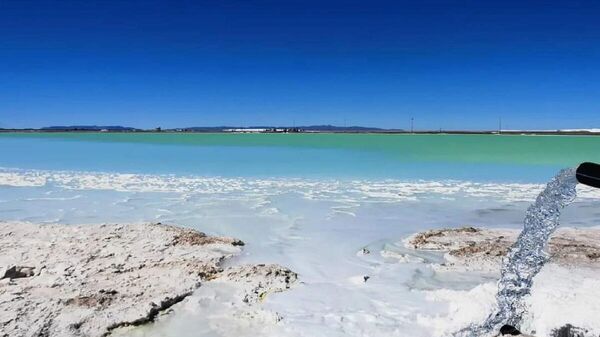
(527, 256)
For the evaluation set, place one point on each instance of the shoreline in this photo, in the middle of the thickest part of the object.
(371, 132)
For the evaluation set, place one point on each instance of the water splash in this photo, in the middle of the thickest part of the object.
(527, 256)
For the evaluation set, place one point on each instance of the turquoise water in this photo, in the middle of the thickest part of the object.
(337, 156)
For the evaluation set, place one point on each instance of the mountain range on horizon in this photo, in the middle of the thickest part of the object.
(309, 128)
(326, 127)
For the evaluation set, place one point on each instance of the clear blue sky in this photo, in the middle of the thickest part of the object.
(454, 65)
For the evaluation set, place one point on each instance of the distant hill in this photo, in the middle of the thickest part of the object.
(88, 128)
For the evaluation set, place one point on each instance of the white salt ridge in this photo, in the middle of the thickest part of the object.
(21, 179)
(383, 190)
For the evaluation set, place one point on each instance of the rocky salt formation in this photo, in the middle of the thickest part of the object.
(257, 281)
(476, 248)
(90, 280)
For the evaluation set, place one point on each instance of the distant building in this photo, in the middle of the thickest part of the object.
(246, 130)
(264, 130)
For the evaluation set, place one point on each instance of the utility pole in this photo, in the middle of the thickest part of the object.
(499, 125)
(412, 129)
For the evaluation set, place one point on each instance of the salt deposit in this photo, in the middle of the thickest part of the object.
(90, 280)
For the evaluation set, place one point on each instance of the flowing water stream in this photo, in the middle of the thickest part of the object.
(527, 256)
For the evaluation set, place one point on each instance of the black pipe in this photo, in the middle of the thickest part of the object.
(509, 330)
(588, 174)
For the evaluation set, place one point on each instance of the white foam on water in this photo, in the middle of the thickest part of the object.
(464, 307)
(21, 178)
(560, 296)
(382, 190)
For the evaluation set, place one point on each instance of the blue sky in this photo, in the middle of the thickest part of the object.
(449, 64)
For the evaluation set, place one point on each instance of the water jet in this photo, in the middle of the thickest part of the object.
(527, 256)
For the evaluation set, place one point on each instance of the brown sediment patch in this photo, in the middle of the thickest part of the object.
(195, 238)
(423, 238)
(469, 245)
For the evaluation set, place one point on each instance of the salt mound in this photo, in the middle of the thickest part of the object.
(89, 280)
